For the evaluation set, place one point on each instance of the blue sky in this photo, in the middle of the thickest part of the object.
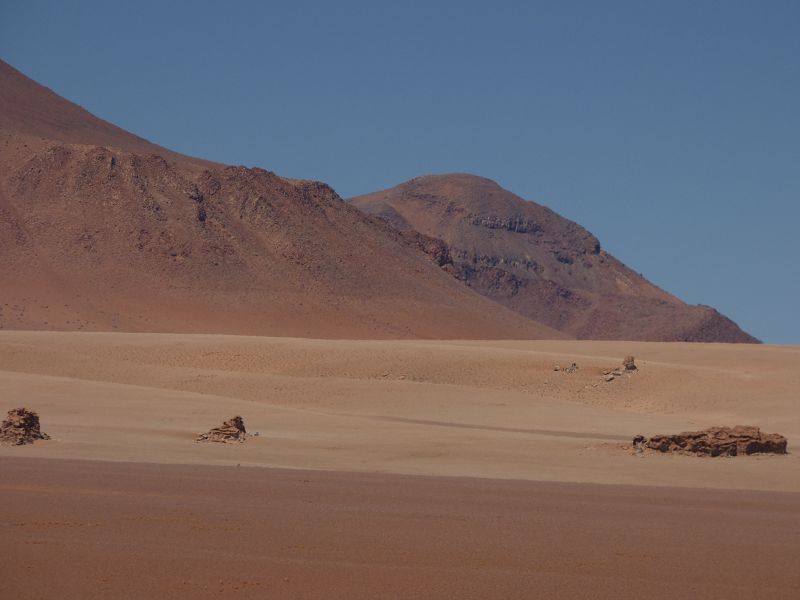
(671, 130)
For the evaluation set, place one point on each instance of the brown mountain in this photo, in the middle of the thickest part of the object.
(539, 264)
(100, 230)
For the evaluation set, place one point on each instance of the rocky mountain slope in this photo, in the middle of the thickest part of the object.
(533, 261)
(102, 230)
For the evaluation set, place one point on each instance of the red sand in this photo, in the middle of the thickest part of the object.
(81, 529)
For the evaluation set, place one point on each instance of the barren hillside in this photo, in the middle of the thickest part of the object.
(102, 230)
(539, 264)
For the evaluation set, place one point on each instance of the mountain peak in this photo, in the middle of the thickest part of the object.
(530, 259)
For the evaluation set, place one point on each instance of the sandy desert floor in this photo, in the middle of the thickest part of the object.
(474, 460)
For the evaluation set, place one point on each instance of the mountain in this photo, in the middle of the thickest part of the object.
(103, 230)
(528, 258)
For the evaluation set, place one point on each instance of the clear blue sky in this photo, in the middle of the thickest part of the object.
(671, 130)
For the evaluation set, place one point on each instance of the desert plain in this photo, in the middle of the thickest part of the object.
(386, 468)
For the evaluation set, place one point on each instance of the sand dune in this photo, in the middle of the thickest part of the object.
(477, 409)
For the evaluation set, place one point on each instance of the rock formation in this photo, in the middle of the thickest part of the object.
(21, 426)
(715, 441)
(628, 367)
(231, 431)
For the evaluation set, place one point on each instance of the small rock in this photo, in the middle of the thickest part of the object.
(231, 431)
(629, 363)
(20, 427)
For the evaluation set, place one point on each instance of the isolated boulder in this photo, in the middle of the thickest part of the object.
(231, 431)
(716, 441)
(629, 363)
(21, 426)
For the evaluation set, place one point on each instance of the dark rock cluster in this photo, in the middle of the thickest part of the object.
(715, 441)
(231, 431)
(517, 224)
(21, 426)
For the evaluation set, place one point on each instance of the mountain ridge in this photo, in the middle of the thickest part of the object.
(102, 230)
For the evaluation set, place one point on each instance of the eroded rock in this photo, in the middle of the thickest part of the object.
(21, 426)
(231, 431)
(628, 366)
(716, 441)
